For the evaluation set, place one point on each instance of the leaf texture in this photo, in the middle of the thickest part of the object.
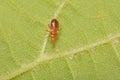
(87, 46)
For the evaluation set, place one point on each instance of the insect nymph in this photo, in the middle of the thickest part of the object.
(54, 27)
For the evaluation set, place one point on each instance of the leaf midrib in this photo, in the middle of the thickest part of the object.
(38, 60)
(45, 58)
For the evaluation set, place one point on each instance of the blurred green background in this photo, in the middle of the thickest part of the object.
(87, 46)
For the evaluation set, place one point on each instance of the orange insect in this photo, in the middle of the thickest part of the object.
(54, 27)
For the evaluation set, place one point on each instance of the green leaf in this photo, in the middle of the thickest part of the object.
(87, 46)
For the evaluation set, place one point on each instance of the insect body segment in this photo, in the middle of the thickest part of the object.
(54, 27)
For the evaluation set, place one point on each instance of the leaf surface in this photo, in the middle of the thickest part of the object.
(87, 46)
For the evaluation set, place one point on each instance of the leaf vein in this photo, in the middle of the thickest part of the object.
(67, 53)
(71, 71)
(115, 50)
